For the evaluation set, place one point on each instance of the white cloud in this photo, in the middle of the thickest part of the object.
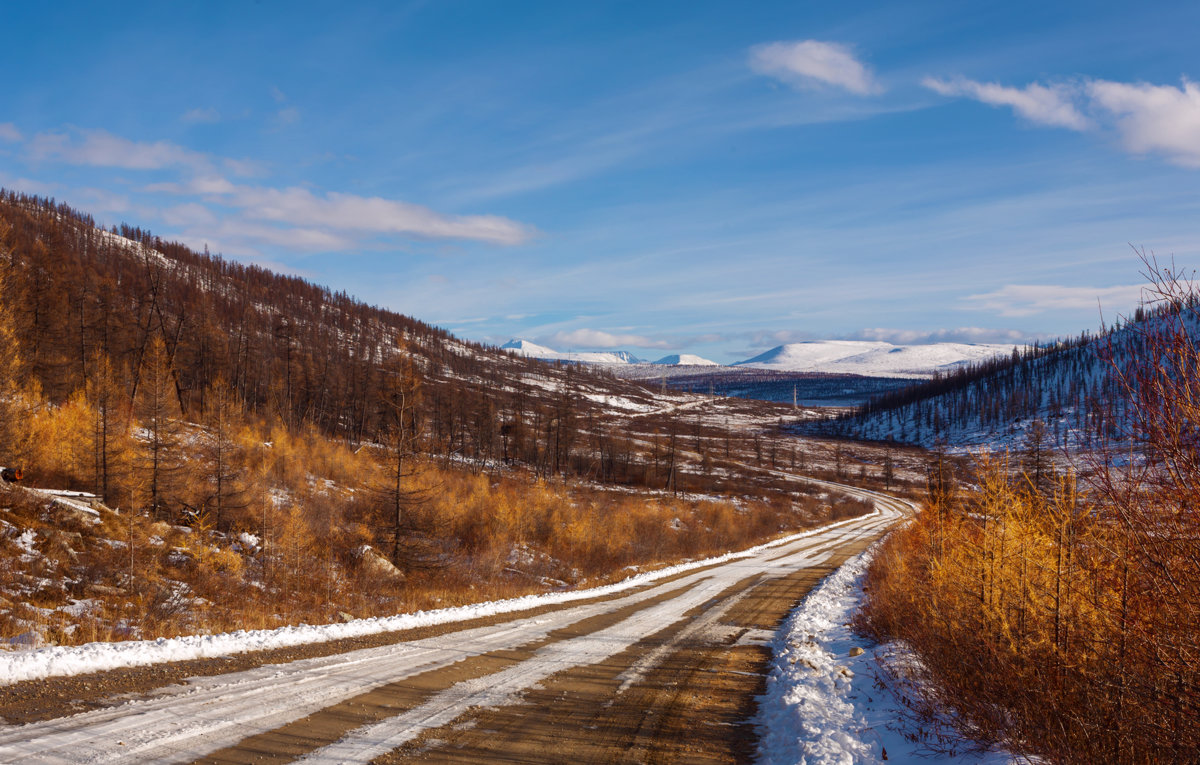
(189, 214)
(1154, 118)
(1045, 105)
(810, 62)
(347, 212)
(201, 115)
(957, 335)
(594, 338)
(200, 184)
(9, 132)
(1029, 299)
(301, 218)
(102, 149)
(373, 214)
(103, 200)
(242, 236)
(29, 186)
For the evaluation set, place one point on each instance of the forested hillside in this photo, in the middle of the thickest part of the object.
(1062, 395)
(207, 445)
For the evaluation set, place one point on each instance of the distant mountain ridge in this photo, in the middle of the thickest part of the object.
(533, 350)
(848, 357)
(875, 358)
(686, 359)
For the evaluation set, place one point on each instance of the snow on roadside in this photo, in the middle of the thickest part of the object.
(822, 705)
(53, 661)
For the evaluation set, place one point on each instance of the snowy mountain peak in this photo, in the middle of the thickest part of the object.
(526, 348)
(686, 359)
(874, 358)
(533, 350)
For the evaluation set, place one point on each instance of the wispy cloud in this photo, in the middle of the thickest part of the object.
(594, 338)
(189, 214)
(9, 132)
(99, 148)
(1030, 299)
(301, 218)
(341, 212)
(201, 115)
(349, 212)
(808, 63)
(1043, 104)
(1154, 118)
(956, 335)
(199, 184)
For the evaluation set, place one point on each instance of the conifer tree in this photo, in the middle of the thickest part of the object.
(400, 391)
(223, 454)
(110, 426)
(12, 409)
(157, 409)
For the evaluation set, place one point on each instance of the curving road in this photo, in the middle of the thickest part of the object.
(664, 673)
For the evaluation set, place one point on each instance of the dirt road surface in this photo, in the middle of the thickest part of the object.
(665, 673)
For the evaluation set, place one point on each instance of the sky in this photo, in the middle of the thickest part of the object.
(660, 177)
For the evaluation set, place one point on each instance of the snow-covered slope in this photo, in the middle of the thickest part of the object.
(1067, 391)
(686, 359)
(873, 359)
(526, 348)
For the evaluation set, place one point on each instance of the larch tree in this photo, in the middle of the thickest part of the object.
(400, 390)
(157, 409)
(222, 454)
(14, 410)
(109, 427)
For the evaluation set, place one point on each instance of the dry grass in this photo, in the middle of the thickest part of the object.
(308, 505)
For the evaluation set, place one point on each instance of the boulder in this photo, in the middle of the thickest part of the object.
(376, 566)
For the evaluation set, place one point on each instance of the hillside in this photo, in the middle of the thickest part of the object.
(210, 446)
(1064, 394)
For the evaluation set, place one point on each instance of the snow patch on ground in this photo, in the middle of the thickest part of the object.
(51, 661)
(822, 705)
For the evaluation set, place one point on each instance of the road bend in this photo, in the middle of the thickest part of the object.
(664, 673)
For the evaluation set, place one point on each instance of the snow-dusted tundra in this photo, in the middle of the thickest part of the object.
(808, 716)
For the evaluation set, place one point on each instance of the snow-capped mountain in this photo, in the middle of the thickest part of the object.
(526, 348)
(874, 359)
(686, 359)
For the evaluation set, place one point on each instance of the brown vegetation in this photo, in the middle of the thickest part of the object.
(1062, 617)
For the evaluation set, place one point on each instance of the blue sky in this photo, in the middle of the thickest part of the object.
(713, 178)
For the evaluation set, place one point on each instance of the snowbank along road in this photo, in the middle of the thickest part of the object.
(665, 672)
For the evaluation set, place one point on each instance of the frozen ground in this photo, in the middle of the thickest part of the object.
(189, 721)
(25, 664)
